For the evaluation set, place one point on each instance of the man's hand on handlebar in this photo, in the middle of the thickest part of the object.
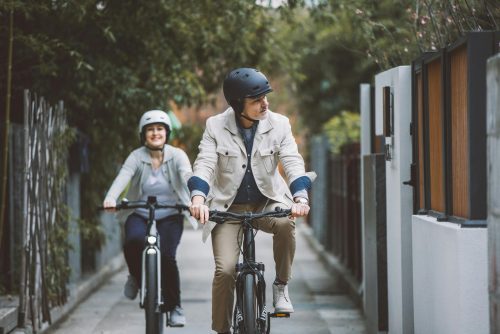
(300, 209)
(198, 209)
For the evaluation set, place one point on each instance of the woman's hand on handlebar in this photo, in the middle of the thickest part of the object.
(109, 205)
(198, 209)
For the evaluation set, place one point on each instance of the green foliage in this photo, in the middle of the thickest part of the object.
(57, 270)
(437, 24)
(331, 66)
(110, 61)
(394, 35)
(92, 234)
(343, 43)
(342, 129)
(188, 138)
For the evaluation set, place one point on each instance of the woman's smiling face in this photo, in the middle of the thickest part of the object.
(156, 135)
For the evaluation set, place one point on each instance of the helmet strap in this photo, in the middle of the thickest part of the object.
(154, 149)
(248, 118)
(238, 106)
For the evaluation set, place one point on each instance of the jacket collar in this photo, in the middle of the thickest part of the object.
(230, 122)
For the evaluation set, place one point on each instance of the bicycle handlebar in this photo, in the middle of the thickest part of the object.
(144, 205)
(220, 217)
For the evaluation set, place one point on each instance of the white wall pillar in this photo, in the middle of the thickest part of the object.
(399, 196)
(365, 108)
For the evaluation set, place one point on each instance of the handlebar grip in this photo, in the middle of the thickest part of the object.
(101, 208)
(117, 207)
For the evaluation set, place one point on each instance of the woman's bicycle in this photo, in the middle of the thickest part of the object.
(250, 315)
(150, 296)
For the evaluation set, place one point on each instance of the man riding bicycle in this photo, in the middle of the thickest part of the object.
(237, 170)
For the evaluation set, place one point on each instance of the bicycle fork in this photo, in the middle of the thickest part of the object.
(257, 271)
(151, 252)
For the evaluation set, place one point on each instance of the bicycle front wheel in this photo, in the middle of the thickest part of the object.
(154, 318)
(249, 304)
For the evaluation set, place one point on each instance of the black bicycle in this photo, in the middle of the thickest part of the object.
(250, 315)
(150, 296)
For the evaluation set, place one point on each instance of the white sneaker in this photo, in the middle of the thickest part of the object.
(176, 317)
(131, 288)
(281, 299)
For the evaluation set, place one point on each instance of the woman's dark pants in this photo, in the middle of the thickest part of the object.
(170, 229)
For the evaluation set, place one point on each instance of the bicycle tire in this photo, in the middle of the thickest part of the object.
(154, 317)
(249, 304)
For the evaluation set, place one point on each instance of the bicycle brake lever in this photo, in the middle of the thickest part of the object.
(123, 204)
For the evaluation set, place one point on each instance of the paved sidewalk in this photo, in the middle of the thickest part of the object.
(320, 307)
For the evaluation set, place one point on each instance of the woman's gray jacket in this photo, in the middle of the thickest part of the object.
(137, 169)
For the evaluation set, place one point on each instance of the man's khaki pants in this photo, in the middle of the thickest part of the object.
(226, 240)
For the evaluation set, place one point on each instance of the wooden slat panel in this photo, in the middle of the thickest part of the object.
(435, 137)
(459, 133)
(420, 138)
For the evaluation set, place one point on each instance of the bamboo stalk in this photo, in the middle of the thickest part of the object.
(44, 200)
(21, 317)
(3, 202)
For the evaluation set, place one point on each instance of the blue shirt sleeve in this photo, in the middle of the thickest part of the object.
(301, 183)
(196, 183)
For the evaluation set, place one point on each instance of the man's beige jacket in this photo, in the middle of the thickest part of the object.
(222, 160)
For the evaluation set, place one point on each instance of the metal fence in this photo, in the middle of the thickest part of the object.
(336, 203)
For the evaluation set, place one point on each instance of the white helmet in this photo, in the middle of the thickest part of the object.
(152, 117)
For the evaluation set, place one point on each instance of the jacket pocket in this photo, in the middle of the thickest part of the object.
(269, 156)
(226, 159)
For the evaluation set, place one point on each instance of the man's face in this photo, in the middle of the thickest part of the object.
(256, 108)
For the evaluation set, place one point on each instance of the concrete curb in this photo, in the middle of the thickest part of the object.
(332, 263)
(78, 293)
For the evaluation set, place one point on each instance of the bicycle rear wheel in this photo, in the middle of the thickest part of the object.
(154, 317)
(249, 304)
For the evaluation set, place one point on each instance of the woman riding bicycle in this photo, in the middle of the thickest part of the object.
(161, 170)
(237, 170)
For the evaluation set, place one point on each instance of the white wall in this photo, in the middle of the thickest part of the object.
(365, 107)
(450, 278)
(399, 198)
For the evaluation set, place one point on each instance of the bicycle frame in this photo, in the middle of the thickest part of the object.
(150, 296)
(151, 249)
(249, 266)
(249, 277)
